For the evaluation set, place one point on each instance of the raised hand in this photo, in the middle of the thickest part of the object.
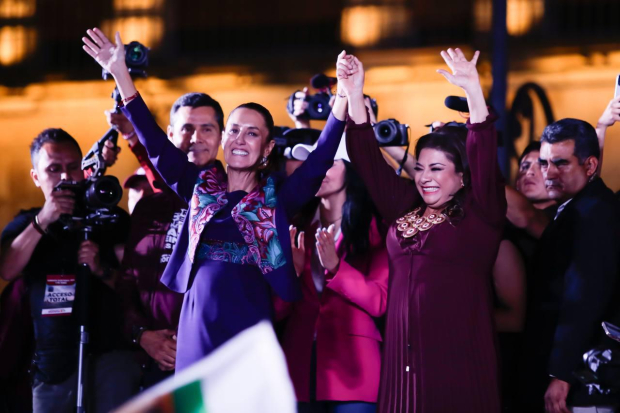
(350, 74)
(110, 153)
(326, 248)
(464, 73)
(611, 114)
(119, 122)
(110, 56)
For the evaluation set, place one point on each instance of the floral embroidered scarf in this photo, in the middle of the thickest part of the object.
(255, 216)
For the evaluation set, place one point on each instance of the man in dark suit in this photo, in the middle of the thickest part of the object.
(576, 269)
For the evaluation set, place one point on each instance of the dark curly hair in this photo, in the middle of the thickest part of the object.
(451, 141)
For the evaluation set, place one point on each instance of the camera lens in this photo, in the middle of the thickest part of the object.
(105, 192)
(136, 55)
(318, 107)
(385, 131)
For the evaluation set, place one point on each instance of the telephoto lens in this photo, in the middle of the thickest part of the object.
(103, 192)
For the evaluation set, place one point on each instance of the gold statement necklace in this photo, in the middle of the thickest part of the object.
(412, 223)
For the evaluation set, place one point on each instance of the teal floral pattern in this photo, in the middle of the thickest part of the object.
(255, 216)
(232, 252)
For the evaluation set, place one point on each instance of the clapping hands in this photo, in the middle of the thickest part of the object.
(326, 248)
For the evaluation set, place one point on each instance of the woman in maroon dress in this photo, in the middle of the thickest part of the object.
(439, 348)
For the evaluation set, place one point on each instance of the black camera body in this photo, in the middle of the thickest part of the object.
(318, 106)
(95, 198)
(136, 59)
(391, 132)
(286, 138)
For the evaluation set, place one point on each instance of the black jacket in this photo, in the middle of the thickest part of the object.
(575, 287)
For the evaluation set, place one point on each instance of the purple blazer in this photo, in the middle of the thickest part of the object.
(181, 176)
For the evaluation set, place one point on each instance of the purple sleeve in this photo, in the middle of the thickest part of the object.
(299, 188)
(487, 183)
(391, 194)
(171, 162)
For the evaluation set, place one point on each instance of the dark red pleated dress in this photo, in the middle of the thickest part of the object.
(439, 344)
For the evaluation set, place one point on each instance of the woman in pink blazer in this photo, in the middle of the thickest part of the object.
(330, 337)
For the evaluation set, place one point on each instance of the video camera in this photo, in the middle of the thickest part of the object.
(318, 104)
(96, 196)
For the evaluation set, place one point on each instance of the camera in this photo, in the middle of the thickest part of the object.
(136, 59)
(286, 138)
(318, 107)
(94, 198)
(391, 132)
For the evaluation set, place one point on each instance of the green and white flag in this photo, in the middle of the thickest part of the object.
(247, 374)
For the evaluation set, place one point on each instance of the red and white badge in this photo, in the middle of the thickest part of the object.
(59, 295)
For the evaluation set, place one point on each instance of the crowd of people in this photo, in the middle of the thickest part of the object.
(448, 290)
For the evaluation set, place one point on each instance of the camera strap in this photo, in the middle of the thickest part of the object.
(402, 162)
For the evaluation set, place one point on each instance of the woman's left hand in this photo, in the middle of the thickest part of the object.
(326, 247)
(464, 73)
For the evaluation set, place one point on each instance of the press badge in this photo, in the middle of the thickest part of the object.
(59, 295)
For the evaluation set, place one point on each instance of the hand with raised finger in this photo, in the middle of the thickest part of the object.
(464, 73)
(111, 56)
(299, 250)
(611, 114)
(110, 153)
(326, 248)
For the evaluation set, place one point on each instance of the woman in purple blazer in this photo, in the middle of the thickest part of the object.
(234, 247)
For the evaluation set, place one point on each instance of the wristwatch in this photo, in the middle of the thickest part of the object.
(136, 333)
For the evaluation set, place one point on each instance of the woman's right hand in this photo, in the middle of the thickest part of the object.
(110, 56)
(350, 74)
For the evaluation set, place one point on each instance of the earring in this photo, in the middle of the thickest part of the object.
(263, 161)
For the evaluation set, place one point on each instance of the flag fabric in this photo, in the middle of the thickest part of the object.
(246, 374)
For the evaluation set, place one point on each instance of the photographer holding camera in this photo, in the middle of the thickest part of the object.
(37, 246)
